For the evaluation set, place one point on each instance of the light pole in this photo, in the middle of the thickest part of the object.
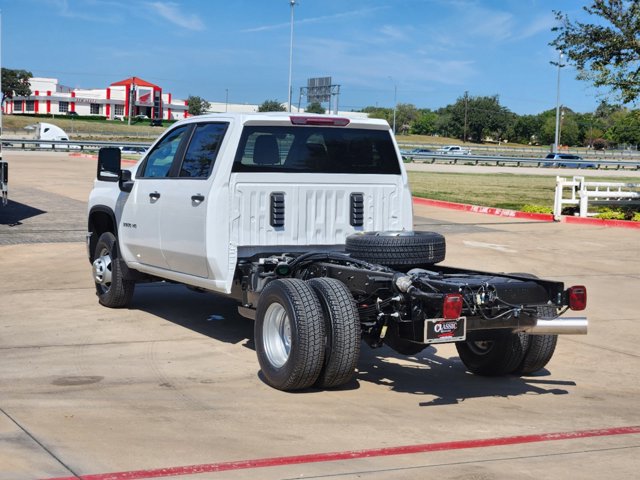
(293, 4)
(395, 102)
(556, 142)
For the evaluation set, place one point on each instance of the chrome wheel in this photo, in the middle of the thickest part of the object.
(102, 269)
(276, 335)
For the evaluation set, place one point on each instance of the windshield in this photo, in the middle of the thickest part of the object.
(316, 150)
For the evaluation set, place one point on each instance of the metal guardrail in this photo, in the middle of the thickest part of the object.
(581, 192)
(515, 161)
(66, 145)
(95, 145)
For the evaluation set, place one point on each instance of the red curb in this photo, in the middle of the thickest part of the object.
(544, 217)
(501, 212)
(354, 454)
(601, 222)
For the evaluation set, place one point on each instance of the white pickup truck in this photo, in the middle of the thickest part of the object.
(453, 150)
(307, 222)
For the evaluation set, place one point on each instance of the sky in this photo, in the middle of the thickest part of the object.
(423, 52)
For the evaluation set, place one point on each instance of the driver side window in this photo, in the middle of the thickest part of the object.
(160, 159)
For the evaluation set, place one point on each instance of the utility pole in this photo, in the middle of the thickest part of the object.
(466, 107)
(293, 4)
(395, 102)
(556, 142)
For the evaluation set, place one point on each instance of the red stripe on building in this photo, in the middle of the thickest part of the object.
(48, 101)
(108, 106)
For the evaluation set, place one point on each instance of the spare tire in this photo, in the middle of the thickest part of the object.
(402, 249)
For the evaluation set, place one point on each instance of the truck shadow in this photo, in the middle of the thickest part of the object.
(439, 378)
(14, 213)
(444, 380)
(208, 314)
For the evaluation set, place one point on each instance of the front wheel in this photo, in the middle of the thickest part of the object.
(498, 354)
(289, 334)
(112, 289)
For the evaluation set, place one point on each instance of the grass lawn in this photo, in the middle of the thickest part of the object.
(491, 190)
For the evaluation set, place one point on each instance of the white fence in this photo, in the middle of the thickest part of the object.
(580, 192)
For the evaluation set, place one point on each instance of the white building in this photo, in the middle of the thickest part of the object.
(129, 97)
(132, 96)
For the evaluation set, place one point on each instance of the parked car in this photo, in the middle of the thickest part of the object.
(72, 114)
(134, 150)
(416, 152)
(156, 122)
(567, 160)
(454, 150)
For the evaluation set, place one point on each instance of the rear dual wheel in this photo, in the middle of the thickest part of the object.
(504, 353)
(307, 333)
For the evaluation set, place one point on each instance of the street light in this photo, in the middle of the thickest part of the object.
(395, 102)
(292, 3)
(556, 143)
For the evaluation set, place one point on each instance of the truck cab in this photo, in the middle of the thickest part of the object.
(217, 188)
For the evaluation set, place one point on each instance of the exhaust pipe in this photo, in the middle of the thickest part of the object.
(559, 326)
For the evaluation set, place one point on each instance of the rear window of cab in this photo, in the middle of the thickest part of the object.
(315, 149)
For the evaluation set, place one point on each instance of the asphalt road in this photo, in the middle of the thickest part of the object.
(171, 386)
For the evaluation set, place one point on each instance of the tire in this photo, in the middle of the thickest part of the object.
(539, 353)
(289, 335)
(397, 249)
(342, 326)
(499, 354)
(112, 289)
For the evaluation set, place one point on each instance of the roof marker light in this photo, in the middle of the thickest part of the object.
(326, 121)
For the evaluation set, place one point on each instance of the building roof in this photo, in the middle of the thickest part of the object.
(134, 81)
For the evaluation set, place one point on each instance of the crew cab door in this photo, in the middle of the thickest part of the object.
(139, 228)
(186, 201)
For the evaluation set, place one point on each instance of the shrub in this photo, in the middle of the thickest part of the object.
(600, 144)
(537, 209)
(610, 214)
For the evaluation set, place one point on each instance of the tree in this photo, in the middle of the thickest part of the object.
(479, 117)
(197, 105)
(425, 124)
(607, 52)
(15, 83)
(406, 114)
(315, 107)
(271, 106)
(626, 128)
(525, 129)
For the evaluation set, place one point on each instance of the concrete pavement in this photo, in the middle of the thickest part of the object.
(173, 381)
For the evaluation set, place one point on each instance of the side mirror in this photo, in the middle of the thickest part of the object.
(109, 161)
(125, 183)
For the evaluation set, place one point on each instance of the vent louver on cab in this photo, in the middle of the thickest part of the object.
(357, 210)
(277, 209)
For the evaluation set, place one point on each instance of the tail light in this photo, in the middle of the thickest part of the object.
(577, 297)
(452, 306)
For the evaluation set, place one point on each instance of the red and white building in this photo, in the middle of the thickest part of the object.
(132, 96)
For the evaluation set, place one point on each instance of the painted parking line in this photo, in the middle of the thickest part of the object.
(354, 454)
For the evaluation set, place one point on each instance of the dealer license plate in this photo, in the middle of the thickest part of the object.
(439, 330)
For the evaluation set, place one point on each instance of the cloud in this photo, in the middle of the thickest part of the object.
(78, 11)
(539, 24)
(171, 12)
(313, 20)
